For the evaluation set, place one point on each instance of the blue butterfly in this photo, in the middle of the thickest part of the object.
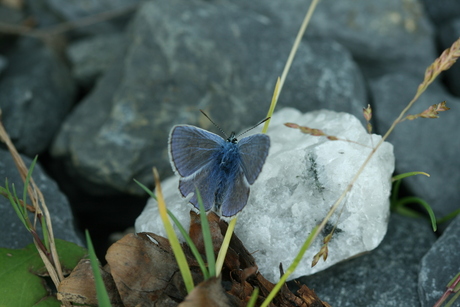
(221, 170)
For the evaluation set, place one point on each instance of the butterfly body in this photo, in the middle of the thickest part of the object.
(222, 170)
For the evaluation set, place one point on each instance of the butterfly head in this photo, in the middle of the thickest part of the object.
(232, 138)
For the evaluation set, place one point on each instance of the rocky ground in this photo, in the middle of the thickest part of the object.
(93, 88)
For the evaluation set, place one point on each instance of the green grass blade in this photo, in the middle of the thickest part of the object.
(192, 246)
(425, 205)
(172, 237)
(452, 300)
(175, 245)
(253, 299)
(225, 245)
(208, 246)
(448, 216)
(451, 282)
(409, 174)
(23, 206)
(394, 194)
(146, 189)
(17, 207)
(187, 238)
(102, 296)
(408, 212)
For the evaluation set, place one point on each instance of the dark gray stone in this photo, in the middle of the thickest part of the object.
(224, 62)
(14, 234)
(449, 32)
(428, 145)
(383, 36)
(441, 11)
(440, 264)
(91, 57)
(10, 15)
(43, 14)
(76, 9)
(36, 93)
(3, 64)
(385, 276)
(49, 13)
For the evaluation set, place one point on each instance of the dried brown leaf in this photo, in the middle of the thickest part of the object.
(79, 286)
(207, 293)
(144, 269)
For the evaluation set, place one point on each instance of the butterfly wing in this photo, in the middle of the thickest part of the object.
(204, 182)
(253, 151)
(236, 195)
(192, 148)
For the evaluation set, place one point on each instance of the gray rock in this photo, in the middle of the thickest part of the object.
(10, 15)
(440, 264)
(428, 145)
(383, 36)
(91, 57)
(43, 14)
(449, 32)
(36, 93)
(383, 277)
(14, 234)
(49, 13)
(442, 11)
(223, 62)
(76, 9)
(3, 64)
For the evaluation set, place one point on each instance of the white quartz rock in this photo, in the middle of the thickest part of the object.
(302, 178)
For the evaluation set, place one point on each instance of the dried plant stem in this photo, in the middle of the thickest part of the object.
(47, 251)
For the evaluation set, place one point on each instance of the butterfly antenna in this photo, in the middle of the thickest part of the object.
(223, 132)
(261, 122)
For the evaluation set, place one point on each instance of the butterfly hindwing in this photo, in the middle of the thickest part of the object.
(191, 148)
(235, 196)
(253, 152)
(201, 180)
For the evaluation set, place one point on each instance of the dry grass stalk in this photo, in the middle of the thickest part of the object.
(47, 253)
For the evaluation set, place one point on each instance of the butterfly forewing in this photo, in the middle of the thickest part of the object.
(191, 148)
(253, 151)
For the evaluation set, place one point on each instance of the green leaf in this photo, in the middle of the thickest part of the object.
(19, 283)
(18, 286)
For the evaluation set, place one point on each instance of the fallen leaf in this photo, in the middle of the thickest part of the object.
(79, 286)
(207, 293)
